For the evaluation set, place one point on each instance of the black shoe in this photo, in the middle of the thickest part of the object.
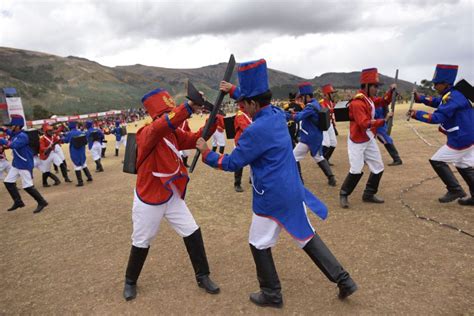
(317, 250)
(332, 181)
(207, 284)
(116, 152)
(67, 180)
(346, 288)
(348, 187)
(88, 174)
(466, 201)
(452, 196)
(455, 191)
(129, 291)
(260, 300)
(55, 179)
(324, 165)
(238, 188)
(393, 152)
(98, 165)
(395, 163)
(80, 182)
(135, 264)
(344, 201)
(38, 198)
(15, 195)
(63, 168)
(45, 180)
(372, 199)
(16, 205)
(195, 247)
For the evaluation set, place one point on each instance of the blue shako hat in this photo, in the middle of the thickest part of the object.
(253, 78)
(445, 74)
(305, 88)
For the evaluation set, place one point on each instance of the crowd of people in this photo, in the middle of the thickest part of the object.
(272, 141)
(42, 149)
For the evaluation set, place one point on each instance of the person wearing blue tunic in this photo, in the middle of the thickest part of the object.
(279, 197)
(455, 116)
(77, 153)
(22, 165)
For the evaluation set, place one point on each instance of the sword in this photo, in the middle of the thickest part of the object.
(412, 101)
(215, 108)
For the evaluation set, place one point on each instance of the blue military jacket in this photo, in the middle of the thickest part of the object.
(455, 115)
(90, 141)
(278, 192)
(309, 132)
(22, 153)
(78, 155)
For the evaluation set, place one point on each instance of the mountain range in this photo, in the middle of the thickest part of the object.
(75, 85)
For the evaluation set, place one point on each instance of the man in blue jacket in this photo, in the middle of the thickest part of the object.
(279, 197)
(311, 137)
(78, 153)
(22, 165)
(455, 116)
(94, 143)
(119, 138)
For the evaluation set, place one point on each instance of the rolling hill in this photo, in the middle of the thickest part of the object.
(74, 85)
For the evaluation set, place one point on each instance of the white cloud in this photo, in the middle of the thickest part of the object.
(305, 38)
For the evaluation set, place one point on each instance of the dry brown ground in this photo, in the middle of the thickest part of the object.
(70, 259)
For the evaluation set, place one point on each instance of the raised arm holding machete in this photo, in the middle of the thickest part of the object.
(392, 106)
(197, 98)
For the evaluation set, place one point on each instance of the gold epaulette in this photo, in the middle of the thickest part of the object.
(359, 96)
(239, 112)
(446, 98)
(321, 101)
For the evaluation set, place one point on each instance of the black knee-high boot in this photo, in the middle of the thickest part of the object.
(393, 152)
(238, 180)
(38, 198)
(195, 247)
(64, 172)
(214, 148)
(455, 191)
(15, 195)
(80, 183)
(348, 186)
(371, 188)
(270, 287)
(116, 152)
(102, 154)
(324, 165)
(221, 150)
(88, 174)
(135, 264)
(98, 166)
(56, 169)
(55, 179)
(328, 264)
(185, 161)
(45, 180)
(468, 176)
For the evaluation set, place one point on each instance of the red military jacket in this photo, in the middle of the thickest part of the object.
(45, 143)
(159, 163)
(330, 105)
(220, 123)
(241, 121)
(361, 116)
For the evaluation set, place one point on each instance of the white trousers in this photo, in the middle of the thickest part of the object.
(147, 218)
(104, 145)
(329, 137)
(78, 168)
(461, 158)
(300, 151)
(264, 233)
(96, 151)
(123, 141)
(5, 167)
(60, 153)
(25, 175)
(367, 152)
(45, 165)
(218, 139)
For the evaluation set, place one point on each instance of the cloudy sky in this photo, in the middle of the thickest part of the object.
(305, 38)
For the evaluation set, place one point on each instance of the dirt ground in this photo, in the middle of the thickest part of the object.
(71, 258)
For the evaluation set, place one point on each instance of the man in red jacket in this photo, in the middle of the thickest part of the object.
(329, 136)
(218, 138)
(362, 146)
(161, 185)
